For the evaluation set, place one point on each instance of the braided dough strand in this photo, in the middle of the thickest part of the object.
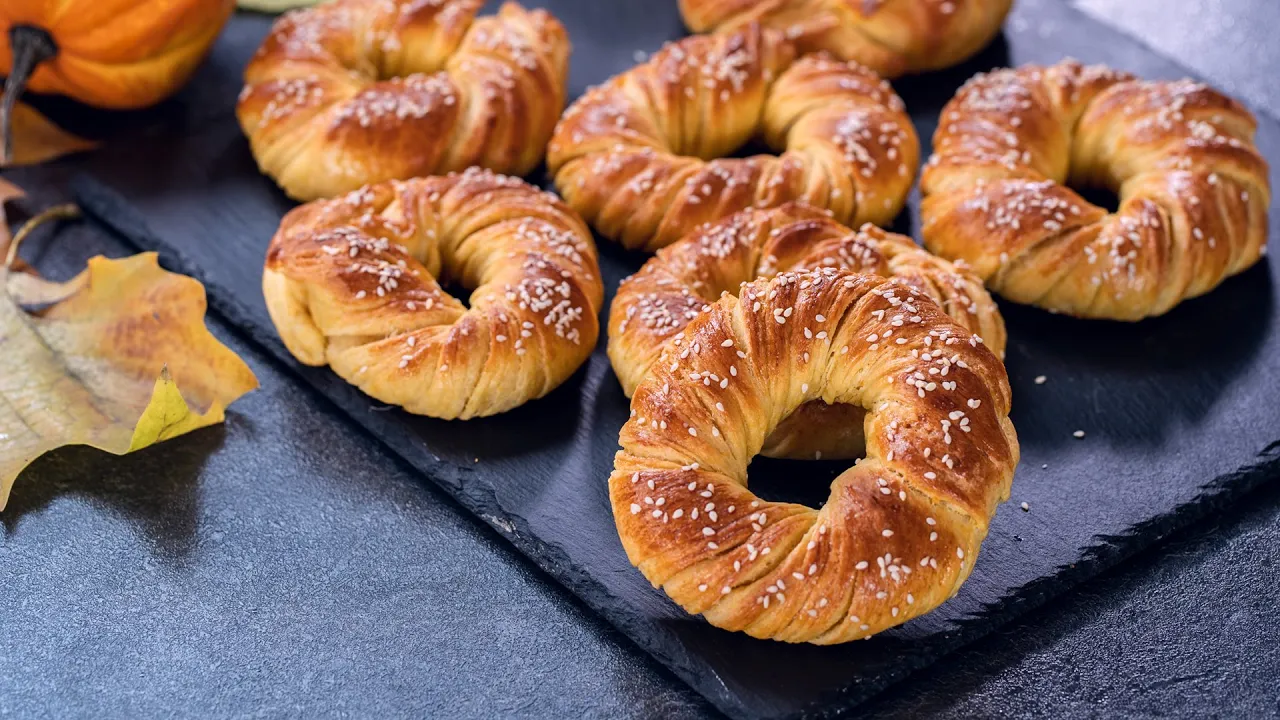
(654, 306)
(1193, 189)
(641, 157)
(352, 282)
(901, 529)
(361, 91)
(892, 37)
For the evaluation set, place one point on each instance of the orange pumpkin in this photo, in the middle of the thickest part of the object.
(108, 53)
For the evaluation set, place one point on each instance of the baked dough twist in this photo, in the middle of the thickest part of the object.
(892, 37)
(901, 529)
(360, 91)
(635, 156)
(1193, 189)
(352, 282)
(655, 305)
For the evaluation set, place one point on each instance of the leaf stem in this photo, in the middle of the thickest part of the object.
(29, 46)
(57, 212)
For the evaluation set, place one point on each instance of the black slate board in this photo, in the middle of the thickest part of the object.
(1180, 412)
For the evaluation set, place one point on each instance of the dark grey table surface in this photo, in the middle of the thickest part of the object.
(1190, 627)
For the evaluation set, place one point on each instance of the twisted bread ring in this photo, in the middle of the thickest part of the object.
(635, 156)
(1193, 189)
(360, 91)
(352, 282)
(902, 527)
(655, 305)
(892, 37)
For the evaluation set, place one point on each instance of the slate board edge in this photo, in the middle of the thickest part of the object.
(114, 212)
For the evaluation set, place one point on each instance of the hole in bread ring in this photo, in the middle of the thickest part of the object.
(1193, 190)
(352, 283)
(654, 306)
(641, 157)
(353, 92)
(901, 528)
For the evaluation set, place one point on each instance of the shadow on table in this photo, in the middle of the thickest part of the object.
(156, 488)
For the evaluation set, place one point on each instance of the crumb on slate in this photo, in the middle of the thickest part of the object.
(1078, 433)
(1040, 379)
(1026, 507)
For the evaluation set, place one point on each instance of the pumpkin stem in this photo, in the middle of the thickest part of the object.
(29, 46)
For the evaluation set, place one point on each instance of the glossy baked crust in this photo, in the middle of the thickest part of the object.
(1193, 189)
(354, 283)
(901, 529)
(354, 92)
(892, 37)
(682, 280)
(642, 157)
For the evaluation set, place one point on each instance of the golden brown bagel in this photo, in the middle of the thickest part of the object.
(656, 304)
(641, 157)
(1193, 189)
(352, 282)
(892, 37)
(901, 529)
(360, 91)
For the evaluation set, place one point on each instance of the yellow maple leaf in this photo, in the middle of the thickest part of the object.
(118, 358)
